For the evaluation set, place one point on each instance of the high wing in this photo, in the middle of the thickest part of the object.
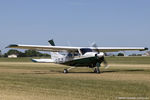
(75, 49)
(45, 48)
(116, 49)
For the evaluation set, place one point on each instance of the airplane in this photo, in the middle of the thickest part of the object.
(91, 57)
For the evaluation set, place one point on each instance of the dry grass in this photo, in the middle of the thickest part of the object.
(44, 81)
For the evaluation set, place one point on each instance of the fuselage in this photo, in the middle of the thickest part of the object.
(84, 57)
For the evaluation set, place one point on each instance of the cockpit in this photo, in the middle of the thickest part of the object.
(85, 50)
(72, 54)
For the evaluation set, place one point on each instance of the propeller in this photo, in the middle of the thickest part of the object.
(95, 46)
(106, 64)
(104, 60)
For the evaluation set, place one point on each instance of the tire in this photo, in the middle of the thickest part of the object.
(98, 71)
(65, 71)
(95, 70)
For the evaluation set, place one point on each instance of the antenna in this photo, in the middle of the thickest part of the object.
(68, 43)
(51, 41)
(51, 34)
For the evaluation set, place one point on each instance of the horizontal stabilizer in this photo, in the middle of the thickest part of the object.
(43, 60)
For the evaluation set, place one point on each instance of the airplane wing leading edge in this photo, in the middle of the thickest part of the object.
(74, 49)
(116, 49)
(44, 48)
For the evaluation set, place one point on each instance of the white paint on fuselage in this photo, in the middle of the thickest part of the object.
(57, 57)
(89, 54)
(92, 54)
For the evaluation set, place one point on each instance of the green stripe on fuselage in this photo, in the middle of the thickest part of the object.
(82, 62)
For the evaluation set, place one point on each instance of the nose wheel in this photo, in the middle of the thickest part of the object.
(97, 69)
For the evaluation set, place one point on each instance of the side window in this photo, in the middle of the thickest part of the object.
(58, 59)
(69, 55)
(84, 50)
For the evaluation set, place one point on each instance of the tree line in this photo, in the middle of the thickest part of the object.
(26, 53)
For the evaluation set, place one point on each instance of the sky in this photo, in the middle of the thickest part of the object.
(75, 22)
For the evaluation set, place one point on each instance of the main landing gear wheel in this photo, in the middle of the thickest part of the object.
(65, 71)
(96, 70)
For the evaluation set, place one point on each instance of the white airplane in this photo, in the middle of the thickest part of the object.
(91, 57)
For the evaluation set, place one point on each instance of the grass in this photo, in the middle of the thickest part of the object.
(129, 60)
(21, 80)
(21, 59)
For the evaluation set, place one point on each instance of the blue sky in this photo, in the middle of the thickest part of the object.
(75, 22)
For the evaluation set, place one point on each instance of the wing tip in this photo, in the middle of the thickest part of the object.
(146, 48)
(12, 45)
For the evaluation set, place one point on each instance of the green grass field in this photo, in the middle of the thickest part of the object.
(20, 79)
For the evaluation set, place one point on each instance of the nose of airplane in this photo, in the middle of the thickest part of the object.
(101, 54)
(101, 58)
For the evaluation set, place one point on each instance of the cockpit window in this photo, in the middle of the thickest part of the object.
(69, 55)
(84, 50)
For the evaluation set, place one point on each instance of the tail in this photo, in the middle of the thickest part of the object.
(51, 42)
(54, 55)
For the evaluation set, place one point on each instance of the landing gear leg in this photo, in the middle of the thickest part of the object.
(67, 70)
(97, 69)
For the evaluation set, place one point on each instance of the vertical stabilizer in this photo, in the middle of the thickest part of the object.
(55, 55)
(51, 42)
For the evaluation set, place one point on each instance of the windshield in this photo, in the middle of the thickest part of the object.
(84, 50)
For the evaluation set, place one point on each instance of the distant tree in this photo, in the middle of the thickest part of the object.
(133, 54)
(110, 54)
(46, 55)
(33, 53)
(13, 51)
(5, 55)
(0, 53)
(139, 55)
(27, 53)
(120, 54)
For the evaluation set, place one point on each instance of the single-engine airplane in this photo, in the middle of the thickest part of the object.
(91, 57)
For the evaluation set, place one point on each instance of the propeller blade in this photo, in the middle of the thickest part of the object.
(95, 46)
(106, 64)
(104, 60)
